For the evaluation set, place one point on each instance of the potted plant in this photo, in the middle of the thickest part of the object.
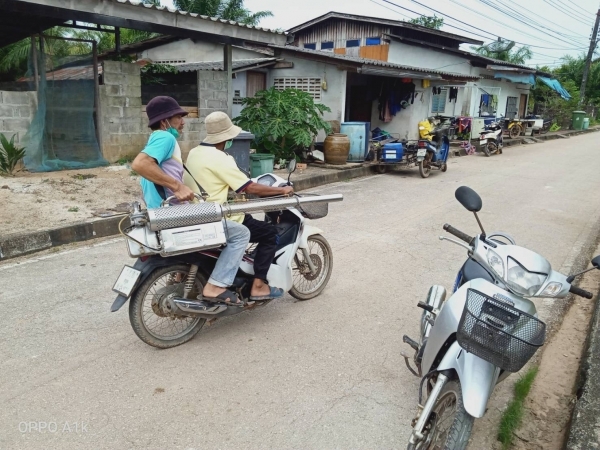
(283, 122)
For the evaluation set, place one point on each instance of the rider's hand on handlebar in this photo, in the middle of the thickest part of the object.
(183, 193)
(288, 190)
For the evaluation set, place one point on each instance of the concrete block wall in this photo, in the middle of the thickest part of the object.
(212, 92)
(16, 113)
(125, 129)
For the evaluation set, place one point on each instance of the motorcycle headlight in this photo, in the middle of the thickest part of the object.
(495, 263)
(521, 281)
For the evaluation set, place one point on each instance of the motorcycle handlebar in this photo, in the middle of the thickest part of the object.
(459, 234)
(581, 292)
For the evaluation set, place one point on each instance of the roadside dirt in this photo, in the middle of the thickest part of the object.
(36, 201)
(551, 399)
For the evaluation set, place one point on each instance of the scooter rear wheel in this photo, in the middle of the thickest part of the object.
(424, 169)
(491, 148)
(149, 308)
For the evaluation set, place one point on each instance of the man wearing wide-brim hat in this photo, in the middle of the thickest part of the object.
(218, 173)
(161, 167)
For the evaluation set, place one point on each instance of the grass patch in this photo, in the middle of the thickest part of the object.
(125, 160)
(512, 416)
(133, 173)
(73, 209)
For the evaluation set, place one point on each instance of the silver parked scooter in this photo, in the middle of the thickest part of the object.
(485, 331)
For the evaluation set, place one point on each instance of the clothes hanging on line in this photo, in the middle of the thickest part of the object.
(453, 94)
(393, 97)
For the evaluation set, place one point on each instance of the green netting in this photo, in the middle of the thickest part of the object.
(62, 134)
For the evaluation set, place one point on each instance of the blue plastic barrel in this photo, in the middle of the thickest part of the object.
(358, 133)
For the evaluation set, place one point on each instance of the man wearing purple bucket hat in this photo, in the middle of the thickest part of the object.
(161, 167)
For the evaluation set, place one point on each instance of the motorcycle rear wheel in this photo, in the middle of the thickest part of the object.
(491, 148)
(305, 284)
(423, 170)
(148, 314)
(448, 431)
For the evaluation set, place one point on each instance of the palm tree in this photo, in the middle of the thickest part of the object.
(504, 51)
(224, 9)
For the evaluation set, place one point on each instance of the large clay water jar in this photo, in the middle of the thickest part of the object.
(336, 148)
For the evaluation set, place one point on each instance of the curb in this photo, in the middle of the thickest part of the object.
(20, 244)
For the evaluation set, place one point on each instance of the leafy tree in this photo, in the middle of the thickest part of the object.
(224, 9)
(434, 21)
(283, 122)
(505, 51)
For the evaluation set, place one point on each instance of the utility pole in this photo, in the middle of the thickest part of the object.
(588, 61)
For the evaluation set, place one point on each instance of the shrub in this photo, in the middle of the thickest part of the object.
(283, 122)
(10, 155)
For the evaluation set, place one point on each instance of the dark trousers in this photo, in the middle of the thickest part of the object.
(265, 234)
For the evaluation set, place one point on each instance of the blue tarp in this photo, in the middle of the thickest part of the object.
(525, 78)
(555, 84)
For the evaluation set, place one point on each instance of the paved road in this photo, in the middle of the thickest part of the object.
(322, 374)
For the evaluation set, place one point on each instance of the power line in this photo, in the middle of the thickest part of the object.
(575, 4)
(476, 28)
(513, 15)
(500, 23)
(572, 14)
(534, 21)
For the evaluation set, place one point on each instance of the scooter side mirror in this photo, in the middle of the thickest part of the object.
(291, 166)
(469, 199)
(596, 262)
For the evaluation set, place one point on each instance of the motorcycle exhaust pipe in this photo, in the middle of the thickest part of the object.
(198, 213)
(195, 307)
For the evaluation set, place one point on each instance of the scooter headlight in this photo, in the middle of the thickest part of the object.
(521, 281)
(495, 263)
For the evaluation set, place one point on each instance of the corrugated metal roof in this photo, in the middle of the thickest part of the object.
(373, 62)
(198, 16)
(70, 73)
(218, 65)
(389, 22)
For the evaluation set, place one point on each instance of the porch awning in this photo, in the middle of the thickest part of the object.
(555, 84)
(524, 78)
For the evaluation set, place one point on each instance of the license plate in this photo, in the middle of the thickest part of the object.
(421, 152)
(126, 281)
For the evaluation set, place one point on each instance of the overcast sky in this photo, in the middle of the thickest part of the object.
(562, 26)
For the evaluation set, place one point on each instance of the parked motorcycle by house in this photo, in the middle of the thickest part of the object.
(177, 248)
(433, 148)
(485, 331)
(490, 140)
(515, 128)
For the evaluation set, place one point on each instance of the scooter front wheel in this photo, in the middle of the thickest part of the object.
(306, 284)
(451, 424)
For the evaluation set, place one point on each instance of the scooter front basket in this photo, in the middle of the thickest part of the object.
(499, 333)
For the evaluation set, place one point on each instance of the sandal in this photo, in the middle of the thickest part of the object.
(275, 293)
(228, 297)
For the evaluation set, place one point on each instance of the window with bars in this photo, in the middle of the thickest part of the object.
(438, 102)
(311, 86)
(237, 98)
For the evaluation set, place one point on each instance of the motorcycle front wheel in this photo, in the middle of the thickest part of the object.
(150, 312)
(450, 424)
(307, 285)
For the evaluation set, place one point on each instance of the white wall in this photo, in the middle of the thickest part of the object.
(239, 84)
(411, 55)
(191, 51)
(405, 123)
(335, 95)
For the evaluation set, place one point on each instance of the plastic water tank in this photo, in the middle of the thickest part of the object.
(358, 133)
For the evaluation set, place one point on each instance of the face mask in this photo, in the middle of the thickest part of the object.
(172, 130)
(228, 145)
